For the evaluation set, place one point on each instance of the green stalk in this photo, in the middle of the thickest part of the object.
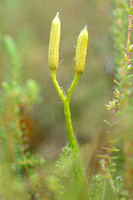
(66, 102)
(73, 85)
(71, 137)
(58, 89)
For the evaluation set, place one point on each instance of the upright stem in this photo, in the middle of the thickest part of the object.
(9, 115)
(127, 142)
(20, 137)
(130, 22)
(108, 154)
(129, 31)
(66, 101)
(104, 187)
(71, 137)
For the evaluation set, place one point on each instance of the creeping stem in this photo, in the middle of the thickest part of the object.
(66, 101)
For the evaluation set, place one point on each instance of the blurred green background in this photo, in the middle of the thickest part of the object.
(28, 23)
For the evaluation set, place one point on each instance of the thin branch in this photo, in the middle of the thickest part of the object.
(129, 31)
(73, 85)
(58, 88)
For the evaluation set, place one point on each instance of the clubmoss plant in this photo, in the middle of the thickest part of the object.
(123, 91)
(53, 57)
(69, 165)
(13, 130)
(68, 180)
(120, 27)
(18, 177)
(119, 35)
(96, 188)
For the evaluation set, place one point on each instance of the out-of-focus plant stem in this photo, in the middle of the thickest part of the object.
(127, 145)
(121, 73)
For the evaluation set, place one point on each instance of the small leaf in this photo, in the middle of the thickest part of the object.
(131, 11)
(129, 76)
(114, 158)
(131, 26)
(117, 83)
(128, 10)
(128, 46)
(117, 93)
(112, 170)
(114, 150)
(112, 164)
(107, 122)
(125, 55)
(130, 67)
(101, 156)
(105, 148)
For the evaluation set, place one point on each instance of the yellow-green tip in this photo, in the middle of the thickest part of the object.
(53, 53)
(81, 51)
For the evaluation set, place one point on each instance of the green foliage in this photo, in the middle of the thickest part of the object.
(32, 93)
(121, 103)
(12, 187)
(64, 164)
(119, 191)
(68, 177)
(15, 100)
(107, 160)
(96, 188)
(68, 180)
(119, 32)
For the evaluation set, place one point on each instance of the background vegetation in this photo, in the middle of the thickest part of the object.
(28, 23)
